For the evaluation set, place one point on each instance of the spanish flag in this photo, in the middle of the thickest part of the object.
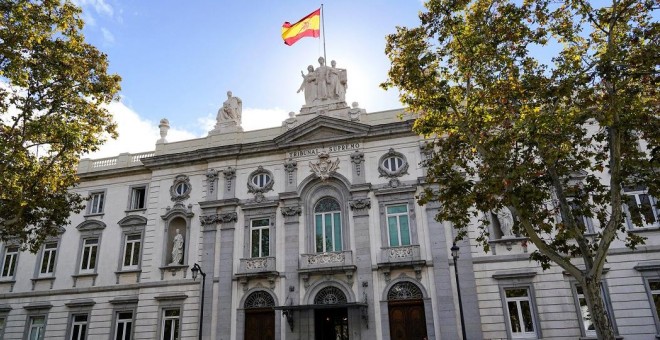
(308, 26)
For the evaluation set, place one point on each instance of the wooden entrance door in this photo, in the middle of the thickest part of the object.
(407, 320)
(259, 324)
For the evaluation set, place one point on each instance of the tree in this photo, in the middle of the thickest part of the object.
(53, 88)
(539, 106)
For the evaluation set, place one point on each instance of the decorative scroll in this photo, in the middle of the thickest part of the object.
(357, 158)
(291, 211)
(227, 217)
(360, 203)
(257, 263)
(326, 258)
(289, 167)
(208, 219)
(400, 252)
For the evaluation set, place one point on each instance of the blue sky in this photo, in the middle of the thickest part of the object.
(177, 59)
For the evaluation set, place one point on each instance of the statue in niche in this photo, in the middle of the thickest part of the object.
(505, 219)
(231, 110)
(309, 85)
(177, 249)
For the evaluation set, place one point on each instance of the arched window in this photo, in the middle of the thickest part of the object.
(330, 296)
(404, 291)
(259, 299)
(327, 222)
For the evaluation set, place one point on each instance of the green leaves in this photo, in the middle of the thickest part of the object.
(549, 108)
(55, 87)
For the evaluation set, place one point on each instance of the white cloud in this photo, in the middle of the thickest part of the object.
(255, 119)
(135, 134)
(108, 38)
(100, 6)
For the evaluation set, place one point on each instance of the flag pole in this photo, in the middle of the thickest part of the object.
(323, 26)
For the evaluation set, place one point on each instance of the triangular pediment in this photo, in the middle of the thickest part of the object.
(320, 129)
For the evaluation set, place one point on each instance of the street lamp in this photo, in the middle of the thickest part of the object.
(196, 269)
(454, 254)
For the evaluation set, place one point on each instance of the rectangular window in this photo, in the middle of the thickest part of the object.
(642, 210)
(79, 327)
(519, 310)
(328, 232)
(88, 257)
(37, 327)
(655, 295)
(123, 325)
(96, 201)
(2, 327)
(138, 198)
(48, 258)
(398, 226)
(584, 222)
(171, 324)
(585, 316)
(9, 262)
(260, 237)
(132, 251)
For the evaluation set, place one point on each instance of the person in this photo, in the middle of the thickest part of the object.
(177, 248)
(309, 85)
(232, 109)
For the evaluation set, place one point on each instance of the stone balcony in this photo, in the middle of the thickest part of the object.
(256, 265)
(326, 263)
(404, 256)
(256, 268)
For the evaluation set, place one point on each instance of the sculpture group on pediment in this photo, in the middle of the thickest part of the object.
(323, 84)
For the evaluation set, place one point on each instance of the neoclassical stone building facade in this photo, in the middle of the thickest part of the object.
(310, 230)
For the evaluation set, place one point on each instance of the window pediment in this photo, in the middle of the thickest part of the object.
(132, 221)
(91, 225)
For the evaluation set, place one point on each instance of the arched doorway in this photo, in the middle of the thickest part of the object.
(406, 312)
(259, 316)
(330, 323)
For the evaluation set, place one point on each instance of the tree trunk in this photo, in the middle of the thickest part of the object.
(599, 318)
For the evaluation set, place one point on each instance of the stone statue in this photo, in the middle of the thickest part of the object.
(231, 110)
(337, 82)
(505, 218)
(324, 85)
(290, 122)
(177, 249)
(309, 85)
(323, 74)
(163, 127)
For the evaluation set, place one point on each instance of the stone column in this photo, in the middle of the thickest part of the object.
(360, 205)
(291, 211)
(442, 276)
(227, 218)
(209, 227)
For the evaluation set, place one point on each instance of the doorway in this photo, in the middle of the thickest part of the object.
(260, 324)
(331, 324)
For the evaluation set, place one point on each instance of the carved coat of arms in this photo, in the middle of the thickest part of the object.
(324, 167)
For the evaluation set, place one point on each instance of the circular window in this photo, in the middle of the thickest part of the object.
(261, 180)
(393, 163)
(181, 188)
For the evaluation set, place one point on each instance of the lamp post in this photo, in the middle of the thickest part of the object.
(454, 254)
(195, 270)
